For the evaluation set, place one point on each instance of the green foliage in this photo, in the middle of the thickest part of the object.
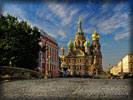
(19, 43)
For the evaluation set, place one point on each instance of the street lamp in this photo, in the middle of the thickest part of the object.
(109, 75)
(10, 63)
(109, 68)
(49, 66)
(48, 71)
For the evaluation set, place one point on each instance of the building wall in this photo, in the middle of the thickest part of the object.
(53, 51)
(126, 60)
(131, 63)
(124, 65)
(114, 70)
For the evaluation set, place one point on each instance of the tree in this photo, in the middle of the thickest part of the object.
(19, 43)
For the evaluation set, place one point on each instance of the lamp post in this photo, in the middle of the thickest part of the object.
(109, 75)
(109, 68)
(10, 63)
(49, 66)
(48, 71)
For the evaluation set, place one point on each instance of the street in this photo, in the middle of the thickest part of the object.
(67, 89)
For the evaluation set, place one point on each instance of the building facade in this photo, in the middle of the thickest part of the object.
(49, 59)
(125, 65)
(82, 58)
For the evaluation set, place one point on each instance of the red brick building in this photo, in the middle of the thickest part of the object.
(49, 59)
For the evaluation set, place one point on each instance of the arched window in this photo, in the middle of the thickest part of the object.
(83, 44)
(75, 43)
(79, 43)
(95, 48)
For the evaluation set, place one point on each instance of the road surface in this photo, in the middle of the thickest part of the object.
(67, 89)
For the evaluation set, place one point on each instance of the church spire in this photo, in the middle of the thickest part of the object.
(70, 38)
(87, 39)
(79, 25)
(63, 49)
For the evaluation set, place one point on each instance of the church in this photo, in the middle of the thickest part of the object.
(82, 58)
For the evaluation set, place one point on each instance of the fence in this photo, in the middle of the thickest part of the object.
(12, 73)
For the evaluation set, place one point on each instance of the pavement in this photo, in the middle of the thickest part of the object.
(67, 89)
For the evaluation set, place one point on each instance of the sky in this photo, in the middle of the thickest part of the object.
(60, 20)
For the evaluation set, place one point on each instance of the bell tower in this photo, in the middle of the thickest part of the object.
(96, 48)
(79, 38)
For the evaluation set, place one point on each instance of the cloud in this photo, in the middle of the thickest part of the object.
(18, 12)
(113, 23)
(121, 36)
(58, 9)
(89, 30)
(105, 44)
(63, 11)
(68, 19)
(110, 18)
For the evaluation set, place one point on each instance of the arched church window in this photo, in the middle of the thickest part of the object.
(83, 44)
(94, 71)
(79, 43)
(95, 48)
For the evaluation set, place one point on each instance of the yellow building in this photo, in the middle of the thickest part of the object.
(125, 65)
(82, 58)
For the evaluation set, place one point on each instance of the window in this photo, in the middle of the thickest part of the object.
(79, 43)
(50, 49)
(83, 44)
(95, 48)
(57, 52)
(47, 48)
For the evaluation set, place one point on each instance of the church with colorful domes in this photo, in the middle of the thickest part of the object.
(82, 58)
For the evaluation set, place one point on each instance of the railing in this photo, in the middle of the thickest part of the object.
(14, 73)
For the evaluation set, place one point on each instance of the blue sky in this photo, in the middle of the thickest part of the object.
(59, 19)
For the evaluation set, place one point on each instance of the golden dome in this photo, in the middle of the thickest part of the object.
(95, 34)
(63, 57)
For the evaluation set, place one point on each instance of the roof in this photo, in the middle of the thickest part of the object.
(42, 32)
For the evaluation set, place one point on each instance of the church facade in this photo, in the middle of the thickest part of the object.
(82, 58)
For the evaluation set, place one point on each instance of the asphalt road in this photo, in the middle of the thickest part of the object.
(67, 89)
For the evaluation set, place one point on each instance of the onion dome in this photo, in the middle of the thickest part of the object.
(95, 35)
(63, 57)
(70, 44)
(87, 43)
(63, 48)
